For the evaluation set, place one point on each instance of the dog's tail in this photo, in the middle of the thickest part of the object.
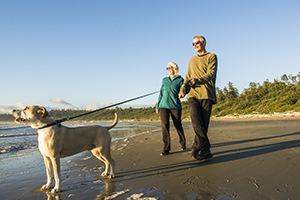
(114, 123)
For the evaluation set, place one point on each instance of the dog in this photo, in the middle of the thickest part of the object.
(56, 141)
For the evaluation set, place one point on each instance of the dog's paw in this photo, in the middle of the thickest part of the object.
(111, 176)
(104, 174)
(55, 190)
(45, 187)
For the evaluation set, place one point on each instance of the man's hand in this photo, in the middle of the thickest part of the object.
(192, 81)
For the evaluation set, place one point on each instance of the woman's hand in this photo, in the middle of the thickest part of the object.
(180, 95)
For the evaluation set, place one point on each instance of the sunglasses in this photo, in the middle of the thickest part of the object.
(194, 43)
(168, 68)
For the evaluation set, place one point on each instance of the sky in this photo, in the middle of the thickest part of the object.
(76, 54)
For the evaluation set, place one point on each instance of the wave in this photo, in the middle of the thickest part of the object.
(13, 127)
(17, 147)
(17, 135)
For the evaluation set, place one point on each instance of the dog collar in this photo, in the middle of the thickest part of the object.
(57, 122)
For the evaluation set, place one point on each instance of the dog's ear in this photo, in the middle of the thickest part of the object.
(42, 111)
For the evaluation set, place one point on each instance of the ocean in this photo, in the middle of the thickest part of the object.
(16, 137)
(20, 160)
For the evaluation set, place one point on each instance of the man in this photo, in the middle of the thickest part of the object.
(199, 83)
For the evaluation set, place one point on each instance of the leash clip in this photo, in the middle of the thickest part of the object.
(57, 122)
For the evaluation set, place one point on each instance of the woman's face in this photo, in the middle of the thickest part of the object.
(171, 71)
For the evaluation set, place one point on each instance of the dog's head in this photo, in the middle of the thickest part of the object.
(35, 116)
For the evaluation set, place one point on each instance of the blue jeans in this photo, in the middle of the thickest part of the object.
(200, 110)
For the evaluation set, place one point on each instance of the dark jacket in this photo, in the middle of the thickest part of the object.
(168, 96)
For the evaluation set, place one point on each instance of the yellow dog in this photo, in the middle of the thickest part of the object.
(58, 141)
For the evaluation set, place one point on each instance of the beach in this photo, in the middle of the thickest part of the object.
(253, 159)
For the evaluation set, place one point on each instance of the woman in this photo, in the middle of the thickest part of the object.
(169, 104)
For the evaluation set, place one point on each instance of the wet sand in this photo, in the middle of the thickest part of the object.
(253, 159)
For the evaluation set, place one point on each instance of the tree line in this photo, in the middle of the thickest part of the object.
(278, 96)
(269, 97)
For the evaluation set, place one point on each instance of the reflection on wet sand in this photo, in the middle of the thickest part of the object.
(106, 191)
(52, 196)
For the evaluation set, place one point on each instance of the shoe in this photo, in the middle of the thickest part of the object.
(183, 148)
(163, 153)
(205, 154)
(194, 155)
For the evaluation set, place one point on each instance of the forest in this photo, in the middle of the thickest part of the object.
(269, 97)
(278, 96)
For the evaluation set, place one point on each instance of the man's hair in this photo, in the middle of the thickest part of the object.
(201, 38)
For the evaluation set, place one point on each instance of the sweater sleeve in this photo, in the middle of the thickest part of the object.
(160, 95)
(210, 73)
(185, 81)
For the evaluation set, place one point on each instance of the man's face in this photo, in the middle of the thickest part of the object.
(198, 46)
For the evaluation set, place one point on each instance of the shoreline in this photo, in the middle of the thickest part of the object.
(253, 159)
(275, 115)
(250, 117)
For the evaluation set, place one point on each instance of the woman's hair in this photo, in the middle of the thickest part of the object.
(174, 67)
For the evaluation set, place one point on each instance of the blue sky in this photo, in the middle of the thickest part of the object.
(87, 54)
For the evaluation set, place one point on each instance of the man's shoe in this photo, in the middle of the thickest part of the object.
(163, 153)
(183, 148)
(205, 154)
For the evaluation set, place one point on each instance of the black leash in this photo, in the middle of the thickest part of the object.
(57, 122)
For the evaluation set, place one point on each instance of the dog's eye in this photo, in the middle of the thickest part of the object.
(25, 108)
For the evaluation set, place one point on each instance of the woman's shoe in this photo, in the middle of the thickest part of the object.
(194, 155)
(163, 153)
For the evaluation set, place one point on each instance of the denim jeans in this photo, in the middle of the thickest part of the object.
(200, 110)
(165, 124)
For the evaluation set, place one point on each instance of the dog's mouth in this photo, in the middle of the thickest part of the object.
(20, 120)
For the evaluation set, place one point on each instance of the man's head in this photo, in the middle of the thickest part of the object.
(199, 43)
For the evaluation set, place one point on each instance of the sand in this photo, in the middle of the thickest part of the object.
(253, 159)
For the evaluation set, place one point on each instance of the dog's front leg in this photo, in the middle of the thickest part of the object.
(56, 167)
(49, 171)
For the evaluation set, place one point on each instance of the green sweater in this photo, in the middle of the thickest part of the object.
(168, 96)
(204, 70)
